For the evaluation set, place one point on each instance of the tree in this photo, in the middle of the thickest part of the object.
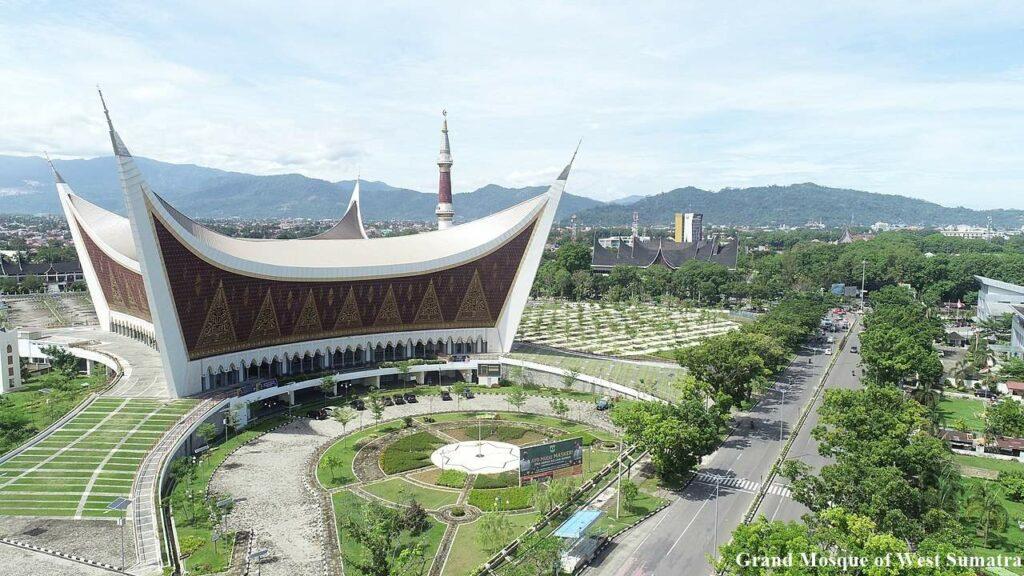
(327, 386)
(61, 360)
(516, 396)
(376, 408)
(1012, 369)
(495, 531)
(833, 530)
(986, 509)
(415, 519)
(537, 555)
(403, 368)
(629, 492)
(569, 377)
(1005, 418)
(560, 407)
(343, 416)
(378, 531)
(207, 432)
(733, 364)
(332, 462)
(676, 435)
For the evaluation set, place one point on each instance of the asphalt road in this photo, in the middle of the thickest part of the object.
(680, 538)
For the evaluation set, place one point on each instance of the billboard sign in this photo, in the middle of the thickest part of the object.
(552, 460)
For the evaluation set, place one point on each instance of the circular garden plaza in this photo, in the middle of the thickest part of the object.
(446, 484)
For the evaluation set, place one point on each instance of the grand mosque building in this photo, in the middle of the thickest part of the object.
(224, 310)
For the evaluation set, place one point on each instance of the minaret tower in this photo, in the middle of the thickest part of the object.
(445, 212)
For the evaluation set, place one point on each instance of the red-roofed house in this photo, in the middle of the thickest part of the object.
(1015, 388)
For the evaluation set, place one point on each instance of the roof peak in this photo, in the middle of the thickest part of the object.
(56, 175)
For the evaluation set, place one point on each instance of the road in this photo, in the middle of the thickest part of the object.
(680, 538)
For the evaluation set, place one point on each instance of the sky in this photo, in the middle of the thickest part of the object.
(921, 99)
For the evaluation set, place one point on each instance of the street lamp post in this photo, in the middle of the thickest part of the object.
(863, 275)
(782, 421)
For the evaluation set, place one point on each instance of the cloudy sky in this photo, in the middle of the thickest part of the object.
(923, 99)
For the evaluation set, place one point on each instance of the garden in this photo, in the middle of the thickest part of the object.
(382, 483)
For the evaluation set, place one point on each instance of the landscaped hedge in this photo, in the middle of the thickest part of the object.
(499, 432)
(452, 479)
(515, 498)
(409, 453)
(502, 480)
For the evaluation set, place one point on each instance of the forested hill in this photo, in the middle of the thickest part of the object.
(26, 186)
(794, 205)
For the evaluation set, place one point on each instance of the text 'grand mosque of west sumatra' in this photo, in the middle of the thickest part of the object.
(224, 310)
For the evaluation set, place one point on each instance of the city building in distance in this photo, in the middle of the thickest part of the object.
(665, 252)
(224, 310)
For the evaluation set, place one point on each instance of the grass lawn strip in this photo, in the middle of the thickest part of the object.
(345, 451)
(401, 491)
(9, 481)
(466, 552)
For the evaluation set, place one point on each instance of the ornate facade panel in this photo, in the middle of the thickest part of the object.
(123, 288)
(266, 312)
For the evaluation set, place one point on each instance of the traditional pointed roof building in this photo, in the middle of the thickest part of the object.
(223, 310)
(445, 211)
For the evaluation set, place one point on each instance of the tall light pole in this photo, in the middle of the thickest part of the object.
(718, 484)
(863, 275)
(782, 421)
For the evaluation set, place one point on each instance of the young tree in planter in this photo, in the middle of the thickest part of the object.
(403, 371)
(327, 386)
(629, 492)
(516, 397)
(332, 462)
(495, 531)
(343, 416)
(415, 519)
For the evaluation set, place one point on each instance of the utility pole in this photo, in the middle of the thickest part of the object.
(863, 275)
(618, 485)
(782, 421)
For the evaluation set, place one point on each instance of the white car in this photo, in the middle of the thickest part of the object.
(828, 351)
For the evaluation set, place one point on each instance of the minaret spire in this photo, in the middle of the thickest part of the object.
(119, 148)
(445, 211)
(56, 175)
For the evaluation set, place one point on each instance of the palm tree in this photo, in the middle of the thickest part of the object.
(987, 509)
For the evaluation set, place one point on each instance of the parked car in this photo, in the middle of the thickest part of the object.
(410, 397)
(604, 403)
(854, 349)
(398, 399)
(828, 351)
(467, 393)
(445, 395)
(320, 414)
(357, 404)
(986, 394)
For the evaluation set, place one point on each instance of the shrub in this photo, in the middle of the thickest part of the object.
(458, 511)
(189, 545)
(1013, 482)
(502, 480)
(514, 498)
(409, 453)
(452, 478)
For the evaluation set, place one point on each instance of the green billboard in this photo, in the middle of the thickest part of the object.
(551, 460)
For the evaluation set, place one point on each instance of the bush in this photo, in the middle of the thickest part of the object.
(515, 498)
(452, 479)
(1013, 482)
(502, 480)
(189, 545)
(409, 453)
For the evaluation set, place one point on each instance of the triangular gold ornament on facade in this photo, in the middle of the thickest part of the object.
(218, 329)
(349, 317)
(474, 303)
(309, 318)
(388, 314)
(430, 308)
(266, 325)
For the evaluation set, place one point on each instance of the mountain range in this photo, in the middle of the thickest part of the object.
(26, 186)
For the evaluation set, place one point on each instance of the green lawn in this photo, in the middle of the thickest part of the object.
(988, 463)
(40, 402)
(969, 410)
(344, 450)
(467, 553)
(44, 468)
(348, 506)
(401, 491)
(643, 505)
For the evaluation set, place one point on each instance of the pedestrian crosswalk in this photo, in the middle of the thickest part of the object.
(742, 484)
